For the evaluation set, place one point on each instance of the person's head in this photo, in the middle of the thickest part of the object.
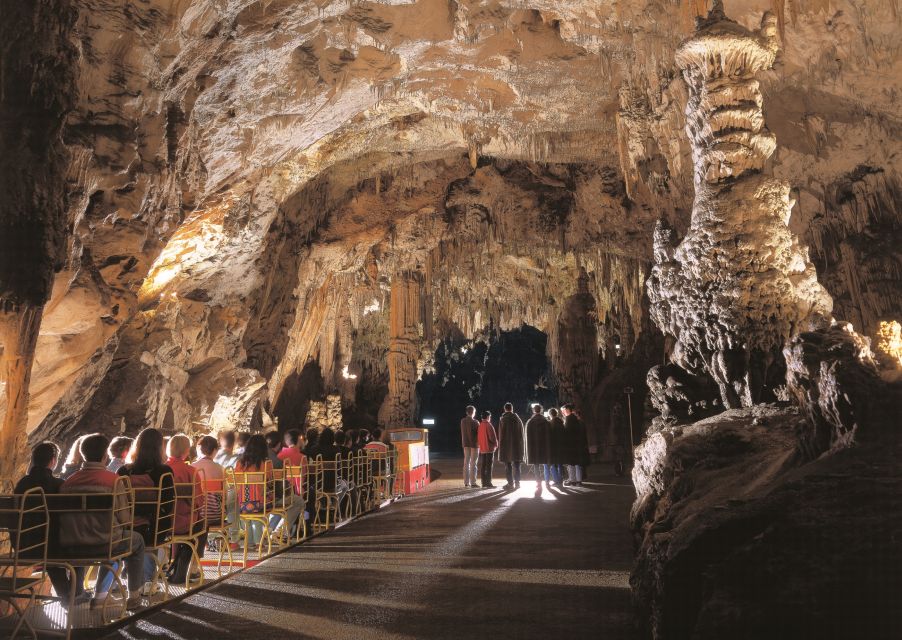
(567, 409)
(74, 456)
(179, 446)
(45, 456)
(206, 447)
(508, 407)
(553, 412)
(256, 451)
(341, 438)
(273, 440)
(486, 415)
(471, 411)
(377, 435)
(227, 440)
(537, 409)
(352, 434)
(119, 447)
(93, 448)
(243, 438)
(292, 437)
(312, 437)
(149, 449)
(363, 436)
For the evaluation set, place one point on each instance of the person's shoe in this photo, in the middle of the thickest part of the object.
(134, 602)
(148, 589)
(567, 483)
(466, 484)
(516, 485)
(489, 486)
(508, 486)
(547, 485)
(80, 599)
(100, 599)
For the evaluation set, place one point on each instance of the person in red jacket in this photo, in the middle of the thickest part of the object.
(188, 513)
(488, 442)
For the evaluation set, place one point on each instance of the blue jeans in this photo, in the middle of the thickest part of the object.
(553, 473)
(136, 566)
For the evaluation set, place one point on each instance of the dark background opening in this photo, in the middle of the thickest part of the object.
(506, 366)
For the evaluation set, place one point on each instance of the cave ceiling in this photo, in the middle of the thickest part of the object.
(247, 178)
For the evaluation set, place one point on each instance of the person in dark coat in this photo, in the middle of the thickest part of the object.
(557, 438)
(468, 430)
(44, 458)
(510, 445)
(578, 449)
(537, 443)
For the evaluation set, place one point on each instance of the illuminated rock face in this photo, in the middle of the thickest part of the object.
(738, 284)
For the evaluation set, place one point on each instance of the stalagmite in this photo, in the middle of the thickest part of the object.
(403, 351)
(573, 345)
(738, 284)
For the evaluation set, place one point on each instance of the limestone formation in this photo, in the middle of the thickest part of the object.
(738, 284)
(574, 345)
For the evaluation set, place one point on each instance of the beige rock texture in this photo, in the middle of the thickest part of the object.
(739, 284)
(245, 178)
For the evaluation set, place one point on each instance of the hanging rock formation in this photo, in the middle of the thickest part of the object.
(738, 284)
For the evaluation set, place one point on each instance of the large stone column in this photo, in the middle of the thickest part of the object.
(403, 352)
(37, 87)
(574, 345)
(739, 284)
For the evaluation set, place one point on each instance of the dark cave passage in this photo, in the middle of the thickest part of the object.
(507, 366)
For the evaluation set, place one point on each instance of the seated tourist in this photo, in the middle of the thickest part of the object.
(73, 460)
(213, 476)
(241, 442)
(251, 497)
(118, 452)
(186, 511)
(148, 470)
(312, 443)
(88, 534)
(274, 446)
(341, 441)
(293, 455)
(226, 457)
(44, 458)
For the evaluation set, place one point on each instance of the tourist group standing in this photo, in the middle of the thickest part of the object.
(555, 445)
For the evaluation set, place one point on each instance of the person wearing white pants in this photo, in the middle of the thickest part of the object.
(468, 430)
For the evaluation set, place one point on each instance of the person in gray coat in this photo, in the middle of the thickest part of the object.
(468, 428)
(510, 445)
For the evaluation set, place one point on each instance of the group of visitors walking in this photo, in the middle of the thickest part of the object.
(553, 445)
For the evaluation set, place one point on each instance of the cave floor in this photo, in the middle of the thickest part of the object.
(446, 563)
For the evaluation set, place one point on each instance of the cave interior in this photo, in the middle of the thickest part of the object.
(681, 216)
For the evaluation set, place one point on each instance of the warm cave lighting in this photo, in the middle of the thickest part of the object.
(372, 307)
(428, 421)
(463, 351)
(889, 340)
(347, 375)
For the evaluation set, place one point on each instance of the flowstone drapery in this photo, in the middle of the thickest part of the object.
(739, 284)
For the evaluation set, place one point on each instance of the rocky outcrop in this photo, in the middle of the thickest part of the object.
(37, 89)
(738, 284)
(737, 539)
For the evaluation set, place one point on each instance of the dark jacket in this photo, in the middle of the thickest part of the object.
(558, 441)
(468, 430)
(510, 438)
(44, 479)
(578, 445)
(537, 444)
